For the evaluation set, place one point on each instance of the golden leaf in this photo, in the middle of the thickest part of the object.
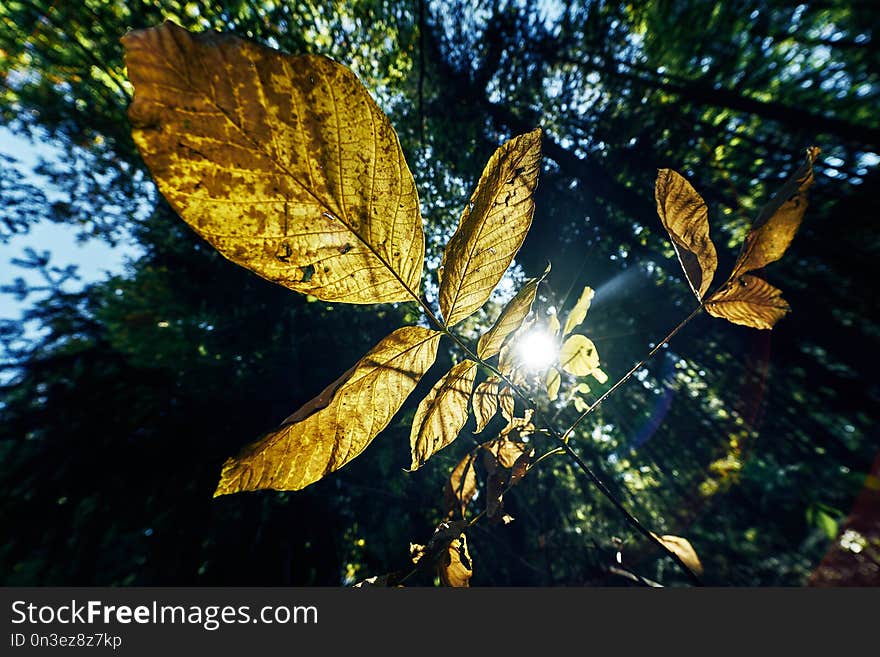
(552, 380)
(578, 355)
(779, 220)
(750, 301)
(683, 550)
(284, 164)
(503, 452)
(492, 227)
(442, 413)
(461, 487)
(579, 312)
(686, 219)
(506, 402)
(335, 427)
(510, 319)
(455, 567)
(485, 402)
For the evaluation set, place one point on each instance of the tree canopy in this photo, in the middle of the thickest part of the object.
(120, 411)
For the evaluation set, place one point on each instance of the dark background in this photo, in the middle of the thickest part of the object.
(754, 445)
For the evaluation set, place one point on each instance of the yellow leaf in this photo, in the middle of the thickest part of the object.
(492, 227)
(510, 319)
(485, 402)
(284, 164)
(683, 550)
(600, 376)
(442, 413)
(461, 487)
(578, 355)
(579, 312)
(506, 403)
(336, 426)
(779, 220)
(686, 219)
(553, 324)
(455, 567)
(750, 301)
(552, 380)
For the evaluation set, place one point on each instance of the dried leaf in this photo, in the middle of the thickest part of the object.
(684, 551)
(495, 493)
(521, 466)
(284, 164)
(442, 413)
(579, 313)
(685, 217)
(455, 568)
(552, 381)
(518, 427)
(330, 431)
(485, 402)
(492, 227)
(779, 220)
(578, 355)
(502, 452)
(461, 487)
(506, 402)
(510, 319)
(750, 301)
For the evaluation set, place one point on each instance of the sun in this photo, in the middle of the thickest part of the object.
(537, 350)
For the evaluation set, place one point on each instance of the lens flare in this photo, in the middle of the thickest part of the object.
(537, 350)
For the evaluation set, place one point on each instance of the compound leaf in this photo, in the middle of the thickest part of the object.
(336, 426)
(686, 219)
(442, 413)
(284, 164)
(492, 227)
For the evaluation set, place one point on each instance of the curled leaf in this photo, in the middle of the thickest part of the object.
(779, 220)
(332, 429)
(461, 487)
(686, 219)
(683, 550)
(521, 466)
(510, 319)
(485, 402)
(579, 312)
(578, 356)
(442, 413)
(492, 227)
(750, 301)
(284, 164)
(455, 567)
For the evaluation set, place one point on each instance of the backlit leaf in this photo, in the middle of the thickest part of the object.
(750, 301)
(553, 325)
(685, 217)
(521, 466)
(462, 485)
(492, 227)
(336, 426)
(579, 312)
(455, 568)
(578, 355)
(485, 402)
(510, 319)
(779, 220)
(506, 402)
(552, 381)
(442, 413)
(684, 551)
(285, 164)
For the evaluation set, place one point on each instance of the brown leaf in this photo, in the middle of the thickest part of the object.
(492, 227)
(779, 220)
(442, 413)
(685, 217)
(510, 319)
(503, 452)
(340, 423)
(284, 164)
(521, 466)
(684, 551)
(455, 568)
(461, 487)
(485, 402)
(750, 301)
